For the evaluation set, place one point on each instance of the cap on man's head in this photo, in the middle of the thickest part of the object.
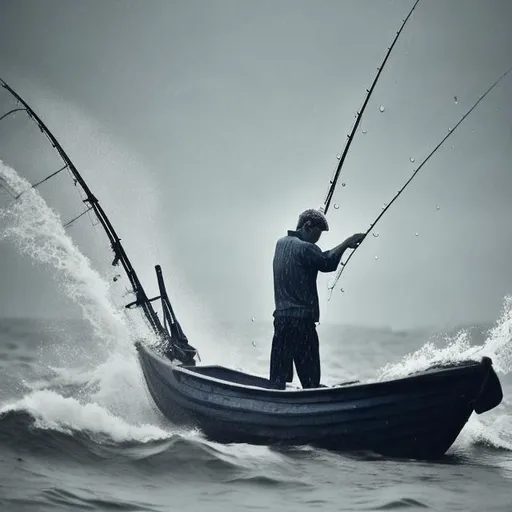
(315, 218)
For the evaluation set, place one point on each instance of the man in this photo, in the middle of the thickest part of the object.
(297, 261)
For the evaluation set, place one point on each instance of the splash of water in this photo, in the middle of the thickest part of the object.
(494, 433)
(37, 231)
(55, 412)
(497, 346)
(112, 392)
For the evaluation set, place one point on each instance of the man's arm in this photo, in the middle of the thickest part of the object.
(328, 261)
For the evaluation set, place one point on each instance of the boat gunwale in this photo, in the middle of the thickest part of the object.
(463, 366)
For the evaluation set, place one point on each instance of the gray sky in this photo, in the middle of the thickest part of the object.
(205, 127)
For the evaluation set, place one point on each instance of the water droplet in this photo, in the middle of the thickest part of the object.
(342, 290)
(455, 99)
(438, 207)
(253, 319)
(376, 235)
(253, 343)
(416, 234)
(364, 131)
(449, 129)
(385, 204)
(338, 156)
(343, 184)
(336, 206)
(412, 159)
(381, 108)
(376, 257)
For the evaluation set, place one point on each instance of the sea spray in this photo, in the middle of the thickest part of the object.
(36, 230)
(498, 345)
(492, 429)
(114, 383)
(457, 348)
(66, 414)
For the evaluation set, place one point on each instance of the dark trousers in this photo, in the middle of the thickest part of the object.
(295, 341)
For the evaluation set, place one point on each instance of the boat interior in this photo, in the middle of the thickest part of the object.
(245, 379)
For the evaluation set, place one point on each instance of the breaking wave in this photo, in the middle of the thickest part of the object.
(497, 346)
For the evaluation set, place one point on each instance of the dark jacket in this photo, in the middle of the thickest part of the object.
(296, 265)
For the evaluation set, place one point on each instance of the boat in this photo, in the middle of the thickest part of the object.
(418, 416)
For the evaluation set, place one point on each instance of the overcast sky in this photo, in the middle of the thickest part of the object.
(206, 127)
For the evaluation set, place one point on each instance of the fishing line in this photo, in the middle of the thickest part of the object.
(449, 134)
(350, 138)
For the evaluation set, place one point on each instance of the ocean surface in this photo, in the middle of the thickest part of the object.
(78, 434)
(78, 430)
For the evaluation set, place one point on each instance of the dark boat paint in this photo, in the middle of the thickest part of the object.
(418, 416)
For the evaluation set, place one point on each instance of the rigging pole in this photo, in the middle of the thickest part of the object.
(332, 284)
(350, 137)
(171, 333)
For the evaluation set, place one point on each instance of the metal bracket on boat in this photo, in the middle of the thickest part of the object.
(178, 343)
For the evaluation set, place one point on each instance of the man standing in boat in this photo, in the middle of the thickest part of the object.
(297, 261)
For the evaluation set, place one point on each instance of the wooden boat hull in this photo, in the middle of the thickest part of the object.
(418, 416)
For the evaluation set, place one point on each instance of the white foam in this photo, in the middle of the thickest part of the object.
(55, 412)
(497, 346)
(37, 231)
(112, 384)
(493, 433)
(456, 349)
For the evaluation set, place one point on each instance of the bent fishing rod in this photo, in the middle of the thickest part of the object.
(350, 137)
(170, 331)
(415, 173)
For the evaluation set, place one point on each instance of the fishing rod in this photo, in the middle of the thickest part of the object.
(175, 337)
(350, 137)
(436, 148)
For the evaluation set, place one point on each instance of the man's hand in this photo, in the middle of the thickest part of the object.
(354, 241)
